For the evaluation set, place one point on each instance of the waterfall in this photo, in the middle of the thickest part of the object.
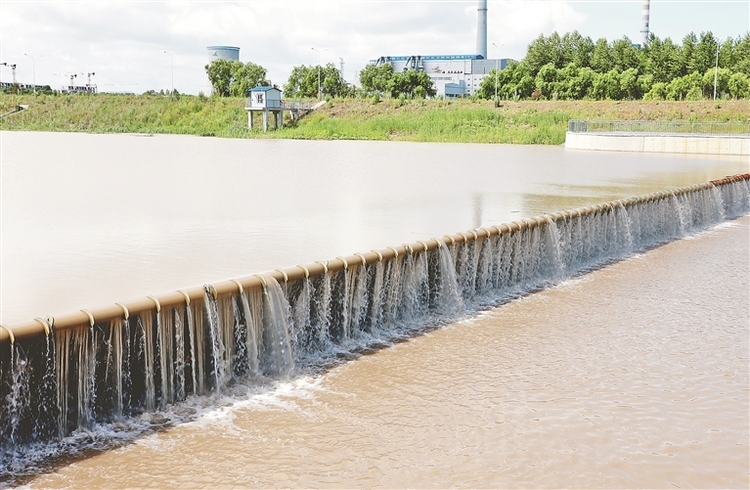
(76, 378)
(276, 358)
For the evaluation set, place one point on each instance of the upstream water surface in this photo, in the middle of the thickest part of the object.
(92, 219)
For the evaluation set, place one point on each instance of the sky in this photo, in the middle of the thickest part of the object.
(123, 42)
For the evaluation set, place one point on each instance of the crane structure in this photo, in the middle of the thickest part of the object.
(13, 69)
(72, 87)
(89, 87)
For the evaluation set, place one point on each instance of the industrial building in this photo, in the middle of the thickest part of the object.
(453, 75)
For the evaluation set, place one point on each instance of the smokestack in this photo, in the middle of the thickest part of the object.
(646, 15)
(482, 28)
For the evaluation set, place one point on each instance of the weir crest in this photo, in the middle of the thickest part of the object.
(106, 368)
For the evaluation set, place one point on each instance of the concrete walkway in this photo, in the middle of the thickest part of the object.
(660, 143)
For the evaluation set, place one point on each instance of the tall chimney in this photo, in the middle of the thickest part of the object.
(646, 15)
(482, 28)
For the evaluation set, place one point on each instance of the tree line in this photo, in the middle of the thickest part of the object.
(567, 67)
(573, 67)
(234, 78)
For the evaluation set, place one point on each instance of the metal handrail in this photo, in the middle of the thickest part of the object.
(299, 105)
(680, 127)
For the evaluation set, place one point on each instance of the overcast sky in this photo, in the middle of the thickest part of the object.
(122, 42)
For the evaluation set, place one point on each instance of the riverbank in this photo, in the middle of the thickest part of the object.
(527, 122)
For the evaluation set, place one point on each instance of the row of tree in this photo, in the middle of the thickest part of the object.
(234, 78)
(568, 67)
(574, 67)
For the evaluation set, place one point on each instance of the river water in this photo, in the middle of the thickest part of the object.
(89, 220)
(634, 375)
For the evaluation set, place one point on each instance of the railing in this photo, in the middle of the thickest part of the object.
(298, 105)
(291, 105)
(685, 127)
(270, 104)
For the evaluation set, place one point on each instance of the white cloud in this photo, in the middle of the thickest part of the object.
(123, 41)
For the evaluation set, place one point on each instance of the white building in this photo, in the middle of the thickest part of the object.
(265, 100)
(454, 75)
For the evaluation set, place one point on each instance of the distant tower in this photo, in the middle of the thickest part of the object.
(646, 15)
(482, 29)
(231, 53)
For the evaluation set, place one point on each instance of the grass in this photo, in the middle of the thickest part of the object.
(527, 122)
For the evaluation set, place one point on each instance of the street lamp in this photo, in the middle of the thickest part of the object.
(320, 92)
(716, 69)
(33, 68)
(497, 67)
(171, 68)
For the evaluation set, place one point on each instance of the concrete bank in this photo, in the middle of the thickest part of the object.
(659, 143)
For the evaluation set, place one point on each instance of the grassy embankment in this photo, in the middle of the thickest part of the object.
(411, 120)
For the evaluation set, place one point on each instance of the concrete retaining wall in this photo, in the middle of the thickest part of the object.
(660, 143)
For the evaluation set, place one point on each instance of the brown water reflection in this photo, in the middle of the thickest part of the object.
(92, 219)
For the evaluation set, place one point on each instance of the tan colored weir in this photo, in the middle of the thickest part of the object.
(84, 317)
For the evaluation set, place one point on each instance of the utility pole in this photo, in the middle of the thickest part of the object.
(497, 68)
(171, 68)
(33, 68)
(320, 91)
(716, 69)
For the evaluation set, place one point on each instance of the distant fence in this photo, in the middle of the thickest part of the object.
(300, 105)
(686, 127)
(287, 105)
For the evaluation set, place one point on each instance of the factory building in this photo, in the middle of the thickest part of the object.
(455, 75)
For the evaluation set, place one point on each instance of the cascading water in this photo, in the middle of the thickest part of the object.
(76, 378)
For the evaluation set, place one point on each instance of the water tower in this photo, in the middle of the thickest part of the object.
(231, 53)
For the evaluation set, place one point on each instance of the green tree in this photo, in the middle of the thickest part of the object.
(546, 81)
(514, 81)
(220, 75)
(624, 55)
(741, 55)
(602, 59)
(303, 82)
(629, 84)
(607, 86)
(739, 86)
(658, 92)
(704, 54)
(233, 78)
(689, 87)
(576, 49)
(662, 59)
(565, 78)
(246, 76)
(723, 75)
(581, 86)
(543, 51)
(686, 53)
(375, 79)
(411, 83)
(645, 83)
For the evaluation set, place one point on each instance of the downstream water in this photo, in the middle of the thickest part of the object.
(633, 375)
